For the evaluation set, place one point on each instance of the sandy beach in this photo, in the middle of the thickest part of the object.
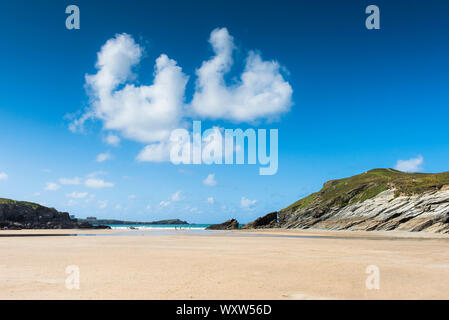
(272, 264)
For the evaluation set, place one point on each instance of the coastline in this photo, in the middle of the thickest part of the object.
(261, 264)
(392, 234)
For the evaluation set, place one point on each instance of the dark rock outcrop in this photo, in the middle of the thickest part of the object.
(16, 215)
(113, 221)
(269, 220)
(231, 224)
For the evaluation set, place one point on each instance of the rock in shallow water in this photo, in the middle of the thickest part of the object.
(227, 225)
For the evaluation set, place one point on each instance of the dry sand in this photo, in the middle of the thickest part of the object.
(274, 264)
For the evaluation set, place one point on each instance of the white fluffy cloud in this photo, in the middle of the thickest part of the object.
(211, 200)
(148, 113)
(112, 139)
(102, 157)
(155, 152)
(210, 180)
(3, 176)
(261, 91)
(410, 165)
(247, 203)
(97, 183)
(51, 186)
(145, 113)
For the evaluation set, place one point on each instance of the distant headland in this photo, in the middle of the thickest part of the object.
(16, 215)
(94, 220)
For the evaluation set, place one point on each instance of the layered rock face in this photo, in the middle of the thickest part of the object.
(22, 215)
(379, 199)
(267, 221)
(427, 212)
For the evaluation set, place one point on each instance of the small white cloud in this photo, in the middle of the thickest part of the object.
(3, 176)
(102, 157)
(36, 194)
(148, 207)
(70, 181)
(247, 203)
(410, 165)
(77, 195)
(211, 200)
(71, 203)
(164, 203)
(51, 186)
(112, 140)
(210, 180)
(117, 207)
(102, 204)
(155, 152)
(177, 196)
(131, 196)
(97, 183)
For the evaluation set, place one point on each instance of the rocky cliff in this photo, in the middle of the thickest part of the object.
(27, 215)
(380, 199)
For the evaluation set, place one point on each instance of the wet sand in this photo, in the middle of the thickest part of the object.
(269, 264)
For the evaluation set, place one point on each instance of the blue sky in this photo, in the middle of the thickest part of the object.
(361, 99)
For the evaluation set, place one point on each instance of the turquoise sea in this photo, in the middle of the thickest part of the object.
(159, 226)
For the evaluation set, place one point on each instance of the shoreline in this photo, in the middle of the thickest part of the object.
(269, 231)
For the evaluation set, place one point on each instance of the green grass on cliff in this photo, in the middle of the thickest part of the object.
(342, 192)
(15, 202)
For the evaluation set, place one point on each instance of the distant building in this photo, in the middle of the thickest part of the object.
(91, 218)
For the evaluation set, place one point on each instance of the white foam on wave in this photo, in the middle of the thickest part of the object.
(158, 228)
